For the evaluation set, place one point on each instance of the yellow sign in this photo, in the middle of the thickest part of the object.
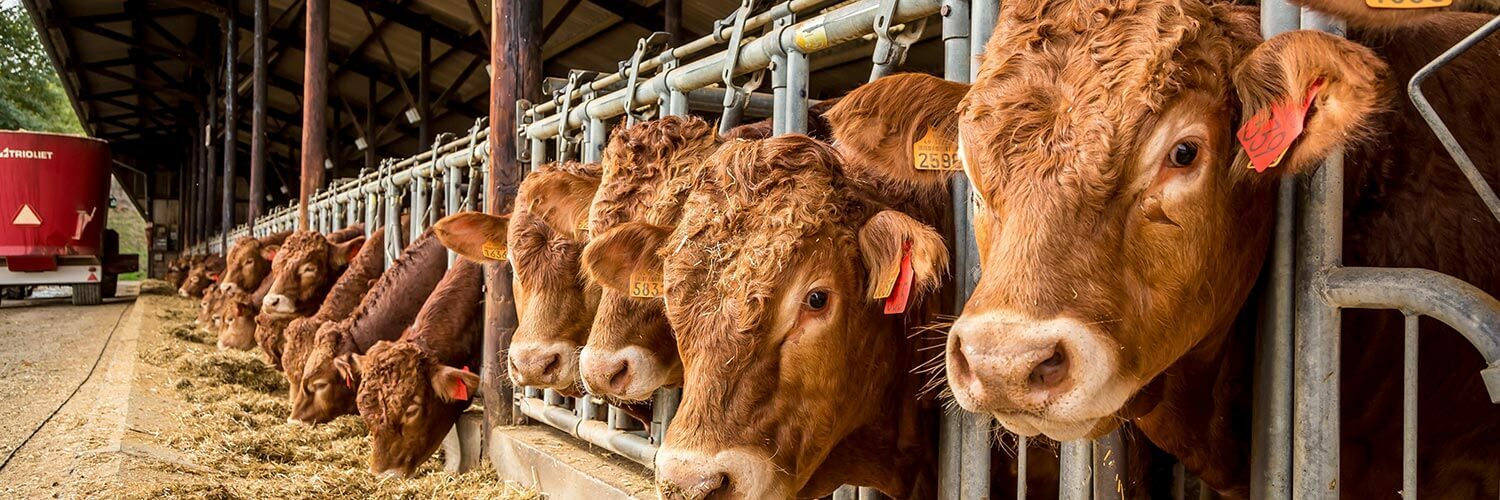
(812, 37)
(645, 285)
(1407, 4)
(934, 151)
(494, 251)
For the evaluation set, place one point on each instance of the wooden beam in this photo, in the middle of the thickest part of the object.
(186, 57)
(633, 13)
(558, 20)
(259, 95)
(315, 105)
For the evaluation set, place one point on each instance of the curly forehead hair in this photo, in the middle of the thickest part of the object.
(649, 165)
(1065, 83)
(760, 202)
(393, 375)
(302, 246)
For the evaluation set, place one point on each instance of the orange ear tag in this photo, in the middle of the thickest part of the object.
(347, 383)
(1268, 135)
(492, 250)
(461, 391)
(1407, 4)
(896, 303)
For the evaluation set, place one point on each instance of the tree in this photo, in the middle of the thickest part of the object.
(31, 94)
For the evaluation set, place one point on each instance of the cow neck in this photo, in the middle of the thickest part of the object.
(448, 325)
(392, 304)
(1202, 416)
(356, 281)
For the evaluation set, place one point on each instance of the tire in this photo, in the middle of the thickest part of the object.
(109, 285)
(88, 294)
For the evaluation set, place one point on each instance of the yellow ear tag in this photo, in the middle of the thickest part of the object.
(492, 250)
(934, 151)
(887, 283)
(645, 285)
(1407, 4)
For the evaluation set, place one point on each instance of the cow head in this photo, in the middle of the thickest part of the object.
(202, 276)
(1120, 228)
(269, 335)
(207, 304)
(768, 283)
(325, 388)
(408, 401)
(248, 262)
(648, 170)
(305, 266)
(235, 321)
(542, 239)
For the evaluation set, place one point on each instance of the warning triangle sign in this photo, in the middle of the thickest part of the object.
(27, 217)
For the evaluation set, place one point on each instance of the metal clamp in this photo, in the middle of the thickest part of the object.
(524, 118)
(734, 95)
(890, 48)
(564, 141)
(656, 41)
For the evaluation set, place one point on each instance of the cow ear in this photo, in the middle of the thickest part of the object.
(350, 367)
(476, 236)
(268, 252)
(452, 384)
(343, 253)
(885, 242)
(610, 259)
(885, 132)
(1341, 87)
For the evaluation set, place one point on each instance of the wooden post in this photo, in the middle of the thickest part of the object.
(258, 117)
(314, 107)
(515, 55)
(424, 96)
(210, 159)
(231, 127)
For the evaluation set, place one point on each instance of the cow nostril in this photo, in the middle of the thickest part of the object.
(550, 367)
(1051, 371)
(620, 378)
(958, 365)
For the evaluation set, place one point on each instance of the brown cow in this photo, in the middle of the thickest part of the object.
(342, 299)
(543, 239)
(795, 381)
(306, 266)
(648, 171)
(413, 389)
(249, 261)
(178, 268)
(234, 320)
(202, 276)
(326, 386)
(1121, 229)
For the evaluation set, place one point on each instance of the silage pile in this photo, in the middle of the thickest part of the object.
(233, 425)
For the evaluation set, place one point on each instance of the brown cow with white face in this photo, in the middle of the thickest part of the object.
(326, 386)
(249, 261)
(412, 390)
(795, 381)
(1121, 228)
(234, 320)
(542, 238)
(649, 169)
(202, 276)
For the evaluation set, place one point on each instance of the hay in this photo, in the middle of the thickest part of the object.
(186, 332)
(233, 425)
(157, 287)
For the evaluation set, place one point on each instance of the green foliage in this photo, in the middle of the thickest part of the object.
(31, 95)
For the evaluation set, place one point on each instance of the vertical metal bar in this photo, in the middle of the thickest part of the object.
(663, 411)
(335, 214)
(1022, 454)
(797, 76)
(538, 153)
(846, 492)
(1110, 465)
(593, 150)
(1409, 410)
(1270, 456)
(392, 202)
(778, 83)
(964, 457)
(258, 117)
(1077, 459)
(418, 189)
(372, 211)
(1315, 437)
(515, 56)
(314, 105)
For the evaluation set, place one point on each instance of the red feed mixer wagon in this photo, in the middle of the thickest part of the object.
(54, 199)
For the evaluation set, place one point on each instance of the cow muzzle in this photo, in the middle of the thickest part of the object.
(228, 287)
(629, 374)
(730, 474)
(276, 303)
(552, 365)
(1053, 376)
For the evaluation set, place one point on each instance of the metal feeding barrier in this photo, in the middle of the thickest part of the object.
(1296, 419)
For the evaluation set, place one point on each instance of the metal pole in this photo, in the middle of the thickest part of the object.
(797, 76)
(314, 106)
(964, 455)
(258, 117)
(515, 55)
(1077, 458)
(1315, 437)
(1271, 454)
(1409, 410)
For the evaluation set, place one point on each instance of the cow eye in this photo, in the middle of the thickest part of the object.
(319, 385)
(817, 300)
(1183, 154)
